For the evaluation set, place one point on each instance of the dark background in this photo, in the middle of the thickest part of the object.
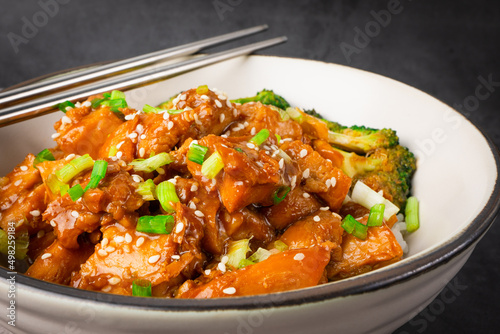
(440, 47)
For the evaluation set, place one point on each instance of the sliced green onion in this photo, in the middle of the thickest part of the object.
(352, 226)
(98, 173)
(64, 105)
(283, 114)
(237, 251)
(112, 151)
(141, 288)
(161, 224)
(44, 155)
(74, 167)
(54, 183)
(295, 114)
(376, 217)
(152, 163)
(21, 244)
(175, 111)
(115, 104)
(278, 138)
(245, 262)
(280, 245)
(75, 192)
(280, 194)
(260, 137)
(150, 109)
(116, 94)
(239, 149)
(260, 255)
(97, 102)
(212, 166)
(147, 189)
(201, 90)
(412, 214)
(64, 189)
(165, 192)
(367, 197)
(197, 153)
(106, 95)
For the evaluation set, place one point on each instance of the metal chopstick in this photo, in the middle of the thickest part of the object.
(91, 74)
(129, 80)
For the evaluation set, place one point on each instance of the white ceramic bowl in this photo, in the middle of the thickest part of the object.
(459, 200)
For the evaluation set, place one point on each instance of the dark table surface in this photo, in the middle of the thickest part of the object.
(444, 48)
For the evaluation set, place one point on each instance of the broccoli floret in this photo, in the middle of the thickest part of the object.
(387, 169)
(265, 97)
(362, 139)
(314, 113)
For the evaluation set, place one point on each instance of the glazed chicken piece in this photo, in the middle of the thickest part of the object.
(324, 179)
(359, 256)
(284, 271)
(125, 254)
(22, 197)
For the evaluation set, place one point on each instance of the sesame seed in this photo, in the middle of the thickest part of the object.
(285, 139)
(70, 156)
(222, 117)
(294, 181)
(75, 214)
(78, 104)
(114, 280)
(333, 180)
(238, 183)
(194, 187)
(139, 242)
(128, 238)
(306, 195)
(316, 218)
(143, 136)
(299, 257)
(306, 173)
(133, 135)
(66, 120)
(46, 256)
(324, 208)
(40, 234)
(176, 257)
(110, 249)
(235, 112)
(142, 151)
(179, 227)
(55, 135)
(224, 136)
(182, 97)
(107, 288)
(35, 213)
(136, 178)
(104, 242)
(139, 128)
(328, 183)
(224, 259)
(102, 252)
(198, 213)
(303, 153)
(221, 97)
(170, 125)
(119, 239)
(282, 163)
(221, 266)
(218, 103)
(229, 291)
(253, 131)
(129, 117)
(119, 154)
(53, 223)
(246, 124)
(207, 272)
(154, 259)
(204, 97)
(86, 104)
(68, 108)
(250, 145)
(166, 115)
(24, 168)
(18, 182)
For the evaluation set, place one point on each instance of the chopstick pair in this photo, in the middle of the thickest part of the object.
(136, 75)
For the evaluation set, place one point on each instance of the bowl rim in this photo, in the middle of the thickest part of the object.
(375, 280)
